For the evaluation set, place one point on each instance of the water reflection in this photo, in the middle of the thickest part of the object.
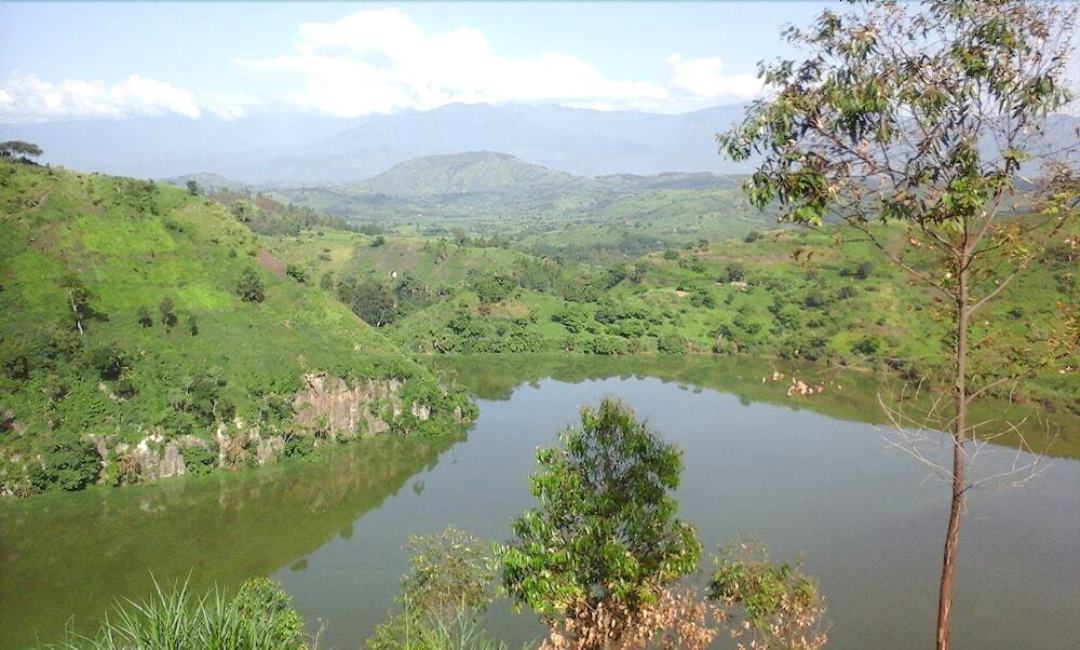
(70, 555)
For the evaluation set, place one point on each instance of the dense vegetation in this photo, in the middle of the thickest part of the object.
(816, 295)
(135, 314)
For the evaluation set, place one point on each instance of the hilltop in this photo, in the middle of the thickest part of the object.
(144, 332)
(467, 173)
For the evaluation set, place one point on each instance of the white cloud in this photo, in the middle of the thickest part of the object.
(27, 98)
(703, 79)
(379, 61)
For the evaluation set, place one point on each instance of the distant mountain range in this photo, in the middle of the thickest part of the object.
(294, 150)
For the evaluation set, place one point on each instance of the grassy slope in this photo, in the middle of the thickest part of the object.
(813, 307)
(436, 264)
(133, 244)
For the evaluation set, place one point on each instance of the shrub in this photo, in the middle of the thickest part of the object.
(780, 607)
(250, 287)
(867, 346)
(573, 317)
(70, 466)
(168, 312)
(752, 237)
(296, 272)
(671, 344)
(449, 586)
(259, 616)
(108, 361)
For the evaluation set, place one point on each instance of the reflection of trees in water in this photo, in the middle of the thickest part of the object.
(72, 554)
(849, 394)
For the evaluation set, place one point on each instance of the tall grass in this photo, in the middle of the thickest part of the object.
(173, 618)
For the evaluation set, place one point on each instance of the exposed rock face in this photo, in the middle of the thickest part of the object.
(332, 407)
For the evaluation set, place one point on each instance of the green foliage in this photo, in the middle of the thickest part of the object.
(259, 616)
(297, 273)
(69, 466)
(671, 344)
(449, 586)
(492, 288)
(250, 287)
(605, 529)
(782, 607)
(371, 300)
(168, 312)
(20, 149)
(144, 317)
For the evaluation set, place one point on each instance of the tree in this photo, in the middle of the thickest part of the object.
(921, 119)
(192, 187)
(250, 287)
(371, 300)
(144, 317)
(168, 313)
(604, 537)
(193, 325)
(14, 148)
(79, 301)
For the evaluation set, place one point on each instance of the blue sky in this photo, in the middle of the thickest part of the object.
(66, 61)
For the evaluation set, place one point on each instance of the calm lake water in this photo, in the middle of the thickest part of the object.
(818, 485)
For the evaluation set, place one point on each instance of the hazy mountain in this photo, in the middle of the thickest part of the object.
(208, 181)
(293, 150)
(305, 150)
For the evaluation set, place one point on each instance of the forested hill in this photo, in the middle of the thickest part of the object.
(144, 333)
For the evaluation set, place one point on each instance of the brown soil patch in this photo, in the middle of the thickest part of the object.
(270, 263)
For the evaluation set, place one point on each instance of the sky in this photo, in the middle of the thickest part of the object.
(61, 61)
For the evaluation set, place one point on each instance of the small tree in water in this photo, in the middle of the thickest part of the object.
(604, 542)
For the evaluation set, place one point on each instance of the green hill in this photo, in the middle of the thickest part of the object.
(468, 173)
(542, 210)
(145, 333)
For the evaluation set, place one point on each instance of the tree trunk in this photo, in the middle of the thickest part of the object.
(959, 433)
(75, 311)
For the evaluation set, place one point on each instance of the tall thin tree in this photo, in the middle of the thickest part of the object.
(926, 118)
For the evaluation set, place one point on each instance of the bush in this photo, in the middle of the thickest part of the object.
(449, 586)
(607, 345)
(168, 313)
(108, 361)
(672, 344)
(250, 287)
(296, 272)
(867, 346)
(70, 466)
(752, 237)
(260, 616)
(780, 607)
